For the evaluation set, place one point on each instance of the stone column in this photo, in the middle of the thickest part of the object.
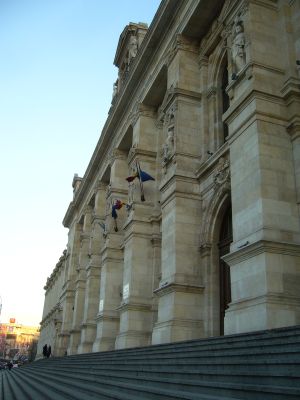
(112, 259)
(93, 269)
(265, 255)
(136, 311)
(80, 283)
(180, 297)
(68, 291)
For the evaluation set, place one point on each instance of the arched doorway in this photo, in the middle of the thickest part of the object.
(225, 239)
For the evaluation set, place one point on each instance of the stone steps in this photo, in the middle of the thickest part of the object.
(255, 366)
(283, 378)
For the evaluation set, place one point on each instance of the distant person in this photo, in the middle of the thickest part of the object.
(9, 365)
(45, 351)
(49, 352)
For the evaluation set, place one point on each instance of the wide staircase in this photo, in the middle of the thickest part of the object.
(260, 365)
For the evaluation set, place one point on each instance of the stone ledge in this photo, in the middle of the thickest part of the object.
(177, 287)
(252, 250)
(269, 298)
(179, 323)
(135, 307)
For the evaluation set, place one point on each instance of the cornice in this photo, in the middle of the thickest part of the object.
(262, 246)
(164, 16)
(69, 215)
(134, 307)
(52, 278)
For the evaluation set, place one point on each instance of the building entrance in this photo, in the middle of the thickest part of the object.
(224, 272)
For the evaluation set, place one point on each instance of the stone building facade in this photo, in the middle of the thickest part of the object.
(207, 101)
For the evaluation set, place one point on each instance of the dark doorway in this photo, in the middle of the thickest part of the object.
(225, 100)
(224, 248)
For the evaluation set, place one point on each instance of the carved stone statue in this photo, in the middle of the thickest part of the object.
(115, 89)
(168, 146)
(133, 48)
(131, 190)
(238, 46)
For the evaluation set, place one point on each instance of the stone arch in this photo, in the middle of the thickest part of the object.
(219, 60)
(212, 221)
(213, 215)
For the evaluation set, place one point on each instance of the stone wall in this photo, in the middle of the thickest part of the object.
(207, 103)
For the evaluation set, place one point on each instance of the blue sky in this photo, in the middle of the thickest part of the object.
(56, 79)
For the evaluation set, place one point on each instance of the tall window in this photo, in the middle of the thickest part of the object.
(225, 100)
(224, 247)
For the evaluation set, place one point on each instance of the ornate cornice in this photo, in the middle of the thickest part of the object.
(155, 34)
(183, 43)
(52, 278)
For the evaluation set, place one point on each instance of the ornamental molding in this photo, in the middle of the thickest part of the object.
(259, 247)
(167, 288)
(183, 43)
(211, 205)
(141, 110)
(222, 175)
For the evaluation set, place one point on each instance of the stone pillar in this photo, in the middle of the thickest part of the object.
(68, 291)
(180, 292)
(112, 259)
(265, 254)
(136, 311)
(80, 283)
(93, 269)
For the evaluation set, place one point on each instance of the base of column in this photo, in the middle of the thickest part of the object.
(180, 315)
(63, 343)
(107, 330)
(265, 312)
(88, 334)
(177, 330)
(74, 341)
(132, 339)
(265, 281)
(136, 321)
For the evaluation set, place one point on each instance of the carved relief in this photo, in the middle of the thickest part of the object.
(168, 148)
(131, 190)
(115, 91)
(238, 45)
(133, 48)
(139, 110)
(222, 175)
(221, 188)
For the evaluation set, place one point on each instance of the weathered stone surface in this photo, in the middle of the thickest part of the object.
(208, 104)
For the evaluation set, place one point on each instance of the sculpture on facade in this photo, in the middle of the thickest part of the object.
(169, 144)
(133, 48)
(238, 46)
(115, 90)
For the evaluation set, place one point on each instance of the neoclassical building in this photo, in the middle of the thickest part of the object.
(207, 102)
